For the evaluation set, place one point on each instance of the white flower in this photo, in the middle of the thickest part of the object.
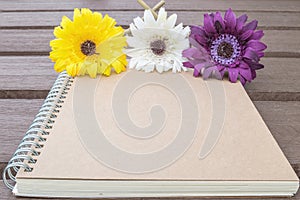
(157, 44)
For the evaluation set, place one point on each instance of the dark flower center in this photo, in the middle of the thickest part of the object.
(225, 50)
(88, 48)
(158, 47)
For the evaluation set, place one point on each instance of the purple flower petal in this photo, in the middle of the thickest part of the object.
(188, 64)
(196, 73)
(257, 35)
(246, 73)
(246, 35)
(254, 65)
(197, 30)
(192, 53)
(233, 74)
(251, 55)
(244, 65)
(207, 72)
(253, 72)
(250, 26)
(194, 62)
(198, 68)
(218, 75)
(221, 69)
(230, 19)
(208, 24)
(260, 54)
(256, 45)
(243, 80)
(200, 40)
(195, 43)
(219, 22)
(240, 21)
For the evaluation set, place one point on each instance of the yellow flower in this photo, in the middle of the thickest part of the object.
(90, 44)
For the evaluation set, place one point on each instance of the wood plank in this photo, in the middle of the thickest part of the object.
(281, 117)
(15, 117)
(280, 42)
(33, 76)
(249, 5)
(267, 20)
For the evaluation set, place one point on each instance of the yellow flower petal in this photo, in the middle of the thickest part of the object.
(92, 70)
(107, 71)
(60, 65)
(73, 69)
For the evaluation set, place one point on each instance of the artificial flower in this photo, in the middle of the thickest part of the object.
(90, 44)
(157, 44)
(226, 45)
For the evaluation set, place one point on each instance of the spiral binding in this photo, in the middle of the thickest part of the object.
(33, 141)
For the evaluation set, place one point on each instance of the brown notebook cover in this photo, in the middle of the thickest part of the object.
(150, 126)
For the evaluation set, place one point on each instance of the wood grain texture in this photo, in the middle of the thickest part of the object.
(28, 41)
(267, 20)
(33, 76)
(26, 73)
(245, 5)
(15, 117)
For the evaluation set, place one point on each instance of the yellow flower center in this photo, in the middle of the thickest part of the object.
(88, 48)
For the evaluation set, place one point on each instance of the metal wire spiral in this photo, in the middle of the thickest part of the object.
(26, 154)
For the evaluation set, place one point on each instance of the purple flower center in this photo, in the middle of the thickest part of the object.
(158, 47)
(88, 48)
(225, 49)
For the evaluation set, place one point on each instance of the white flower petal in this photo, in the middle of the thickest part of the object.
(136, 42)
(136, 52)
(149, 68)
(159, 67)
(184, 68)
(179, 27)
(139, 33)
(139, 23)
(167, 66)
(142, 63)
(132, 27)
(132, 63)
(182, 44)
(186, 31)
(162, 16)
(171, 21)
(149, 19)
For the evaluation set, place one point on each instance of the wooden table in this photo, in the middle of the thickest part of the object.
(26, 73)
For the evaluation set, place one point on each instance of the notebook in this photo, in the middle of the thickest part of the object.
(139, 134)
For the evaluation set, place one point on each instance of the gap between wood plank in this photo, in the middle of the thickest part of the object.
(255, 96)
(126, 26)
(134, 10)
(45, 53)
(246, 5)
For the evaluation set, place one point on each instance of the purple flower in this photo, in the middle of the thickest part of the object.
(225, 45)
